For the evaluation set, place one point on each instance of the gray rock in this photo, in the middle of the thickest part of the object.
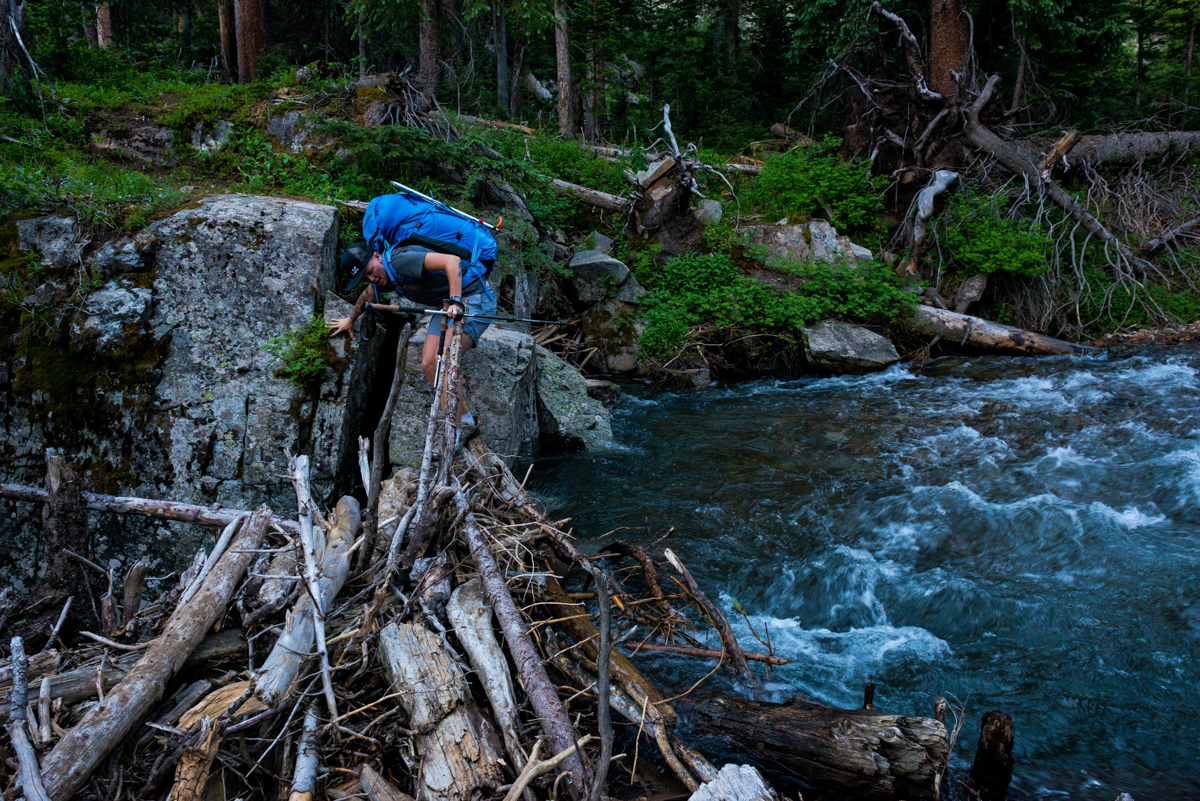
(294, 131)
(816, 239)
(567, 417)
(500, 375)
(120, 255)
(709, 211)
(970, 291)
(615, 329)
(49, 293)
(596, 276)
(55, 239)
(149, 143)
(603, 243)
(847, 348)
(304, 75)
(206, 141)
(697, 378)
(111, 319)
(861, 253)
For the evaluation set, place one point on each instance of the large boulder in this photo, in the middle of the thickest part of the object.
(190, 408)
(568, 419)
(840, 347)
(596, 276)
(614, 329)
(296, 133)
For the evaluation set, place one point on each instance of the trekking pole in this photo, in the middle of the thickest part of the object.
(395, 309)
(421, 194)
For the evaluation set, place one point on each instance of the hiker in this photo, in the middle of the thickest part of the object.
(388, 260)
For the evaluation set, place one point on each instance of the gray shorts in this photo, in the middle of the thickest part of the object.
(479, 303)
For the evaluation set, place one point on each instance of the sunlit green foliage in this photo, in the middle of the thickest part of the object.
(979, 238)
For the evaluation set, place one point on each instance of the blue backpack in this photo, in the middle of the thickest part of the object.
(409, 218)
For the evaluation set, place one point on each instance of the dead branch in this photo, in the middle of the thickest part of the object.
(18, 727)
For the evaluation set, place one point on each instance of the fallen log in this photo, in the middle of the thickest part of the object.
(963, 330)
(378, 788)
(162, 510)
(470, 615)
(277, 674)
(593, 197)
(458, 761)
(864, 754)
(18, 732)
(79, 753)
(1122, 149)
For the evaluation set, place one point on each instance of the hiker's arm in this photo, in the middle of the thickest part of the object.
(453, 267)
(345, 325)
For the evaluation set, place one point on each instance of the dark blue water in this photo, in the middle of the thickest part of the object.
(1021, 535)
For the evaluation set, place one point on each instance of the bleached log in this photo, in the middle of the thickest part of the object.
(162, 510)
(964, 329)
(458, 760)
(593, 197)
(210, 562)
(470, 615)
(538, 88)
(1122, 149)
(941, 181)
(308, 760)
(81, 751)
(278, 587)
(18, 728)
(277, 674)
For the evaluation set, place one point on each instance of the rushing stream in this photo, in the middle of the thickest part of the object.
(1017, 534)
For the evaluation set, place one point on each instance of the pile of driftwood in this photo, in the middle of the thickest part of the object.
(426, 644)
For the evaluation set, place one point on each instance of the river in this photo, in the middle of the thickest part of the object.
(1013, 534)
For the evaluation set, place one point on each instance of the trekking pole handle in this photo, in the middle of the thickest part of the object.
(395, 309)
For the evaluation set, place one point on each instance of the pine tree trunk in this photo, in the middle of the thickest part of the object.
(1187, 62)
(562, 51)
(104, 25)
(947, 45)
(362, 51)
(1141, 54)
(500, 31)
(226, 20)
(430, 71)
(518, 69)
(14, 73)
(185, 36)
(1019, 86)
(251, 37)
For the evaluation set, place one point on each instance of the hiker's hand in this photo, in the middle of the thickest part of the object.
(343, 326)
(456, 308)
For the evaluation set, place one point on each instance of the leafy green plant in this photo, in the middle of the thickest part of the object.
(706, 292)
(800, 182)
(981, 240)
(303, 354)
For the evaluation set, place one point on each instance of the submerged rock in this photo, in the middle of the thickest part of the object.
(841, 347)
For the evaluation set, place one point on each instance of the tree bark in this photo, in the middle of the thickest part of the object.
(67, 768)
(948, 45)
(500, 41)
(251, 37)
(593, 197)
(1019, 85)
(992, 769)
(514, 83)
(226, 19)
(1191, 49)
(458, 760)
(430, 67)
(862, 754)
(104, 25)
(562, 52)
(1123, 149)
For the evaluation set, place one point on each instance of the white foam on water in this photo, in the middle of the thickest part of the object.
(1189, 462)
(1130, 517)
(1162, 378)
(1064, 456)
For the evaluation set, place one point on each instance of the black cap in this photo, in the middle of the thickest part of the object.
(354, 265)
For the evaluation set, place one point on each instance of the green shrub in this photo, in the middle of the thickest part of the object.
(707, 292)
(802, 181)
(981, 240)
(303, 354)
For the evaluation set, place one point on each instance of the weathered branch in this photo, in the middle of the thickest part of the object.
(912, 51)
(964, 330)
(18, 732)
(593, 197)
